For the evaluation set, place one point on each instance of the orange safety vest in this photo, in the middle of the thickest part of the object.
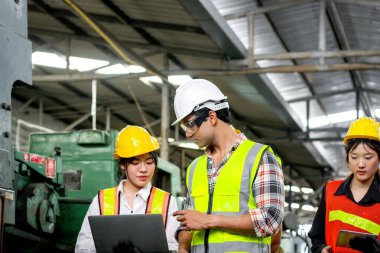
(344, 214)
(158, 202)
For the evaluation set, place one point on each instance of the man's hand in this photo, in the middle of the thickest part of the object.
(192, 220)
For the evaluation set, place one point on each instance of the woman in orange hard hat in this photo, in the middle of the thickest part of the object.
(136, 153)
(352, 204)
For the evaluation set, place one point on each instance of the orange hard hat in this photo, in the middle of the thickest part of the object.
(133, 141)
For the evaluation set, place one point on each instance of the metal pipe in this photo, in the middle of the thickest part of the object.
(322, 29)
(278, 69)
(93, 104)
(321, 95)
(140, 110)
(40, 111)
(108, 118)
(251, 40)
(113, 42)
(128, 43)
(77, 122)
(83, 77)
(99, 30)
(369, 3)
(318, 54)
(307, 118)
(165, 118)
(25, 105)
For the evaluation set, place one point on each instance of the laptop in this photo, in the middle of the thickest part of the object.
(135, 233)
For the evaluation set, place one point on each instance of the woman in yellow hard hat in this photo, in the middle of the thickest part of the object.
(352, 204)
(136, 153)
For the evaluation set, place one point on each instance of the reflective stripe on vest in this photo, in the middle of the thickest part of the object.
(355, 221)
(157, 203)
(344, 214)
(232, 247)
(109, 201)
(232, 196)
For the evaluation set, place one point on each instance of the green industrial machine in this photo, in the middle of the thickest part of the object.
(57, 180)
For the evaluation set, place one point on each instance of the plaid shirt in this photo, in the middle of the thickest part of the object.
(268, 189)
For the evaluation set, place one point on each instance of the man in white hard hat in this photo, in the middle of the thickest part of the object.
(235, 198)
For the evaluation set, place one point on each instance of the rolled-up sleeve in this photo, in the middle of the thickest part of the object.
(268, 192)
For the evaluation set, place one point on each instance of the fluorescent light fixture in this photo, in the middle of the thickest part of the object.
(116, 69)
(334, 118)
(307, 190)
(295, 205)
(309, 208)
(188, 145)
(185, 144)
(48, 60)
(304, 207)
(294, 188)
(136, 69)
(56, 61)
(85, 64)
(318, 121)
(342, 116)
(149, 80)
(179, 79)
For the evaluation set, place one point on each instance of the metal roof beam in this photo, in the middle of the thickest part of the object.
(127, 20)
(114, 20)
(82, 77)
(208, 17)
(279, 69)
(266, 9)
(129, 44)
(374, 3)
(355, 75)
(334, 93)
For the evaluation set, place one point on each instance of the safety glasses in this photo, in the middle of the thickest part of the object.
(192, 126)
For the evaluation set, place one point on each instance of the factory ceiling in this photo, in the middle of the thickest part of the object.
(295, 72)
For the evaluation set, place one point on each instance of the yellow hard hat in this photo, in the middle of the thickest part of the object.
(363, 128)
(133, 141)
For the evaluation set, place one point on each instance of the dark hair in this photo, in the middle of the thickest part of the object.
(222, 114)
(125, 161)
(372, 144)
(352, 144)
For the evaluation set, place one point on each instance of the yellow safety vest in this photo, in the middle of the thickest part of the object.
(232, 196)
(157, 203)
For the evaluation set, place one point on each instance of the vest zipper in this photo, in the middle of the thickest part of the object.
(209, 210)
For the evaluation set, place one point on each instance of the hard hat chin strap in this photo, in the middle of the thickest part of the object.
(212, 105)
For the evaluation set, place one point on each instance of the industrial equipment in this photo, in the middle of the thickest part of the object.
(57, 180)
(15, 69)
(45, 192)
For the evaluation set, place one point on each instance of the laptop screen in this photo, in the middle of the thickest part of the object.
(135, 233)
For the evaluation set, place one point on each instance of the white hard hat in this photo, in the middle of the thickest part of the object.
(195, 95)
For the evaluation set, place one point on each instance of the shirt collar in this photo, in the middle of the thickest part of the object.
(143, 193)
(371, 197)
(241, 137)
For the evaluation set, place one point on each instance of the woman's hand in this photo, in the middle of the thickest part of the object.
(326, 249)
